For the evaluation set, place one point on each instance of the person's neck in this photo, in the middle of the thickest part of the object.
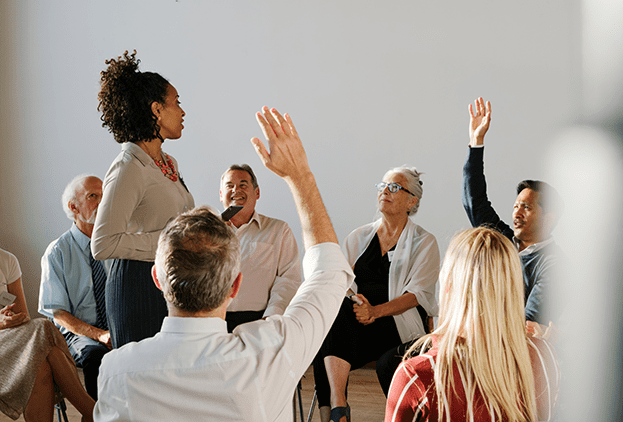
(152, 147)
(393, 225)
(219, 312)
(238, 219)
(84, 227)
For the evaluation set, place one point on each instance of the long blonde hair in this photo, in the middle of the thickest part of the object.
(482, 328)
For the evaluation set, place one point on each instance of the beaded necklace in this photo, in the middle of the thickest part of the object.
(168, 169)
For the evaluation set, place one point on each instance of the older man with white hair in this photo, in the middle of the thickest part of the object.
(72, 282)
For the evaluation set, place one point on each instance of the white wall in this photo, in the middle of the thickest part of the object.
(369, 84)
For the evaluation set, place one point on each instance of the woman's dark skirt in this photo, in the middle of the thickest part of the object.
(135, 307)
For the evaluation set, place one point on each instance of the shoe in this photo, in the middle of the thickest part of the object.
(338, 412)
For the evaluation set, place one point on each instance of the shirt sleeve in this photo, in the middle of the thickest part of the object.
(288, 278)
(475, 201)
(123, 192)
(424, 274)
(11, 269)
(405, 394)
(313, 309)
(53, 288)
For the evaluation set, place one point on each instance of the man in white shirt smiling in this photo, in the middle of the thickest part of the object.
(270, 258)
(193, 369)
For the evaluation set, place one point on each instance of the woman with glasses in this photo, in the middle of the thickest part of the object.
(396, 265)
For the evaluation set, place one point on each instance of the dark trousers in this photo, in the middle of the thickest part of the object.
(234, 319)
(353, 342)
(134, 306)
(87, 354)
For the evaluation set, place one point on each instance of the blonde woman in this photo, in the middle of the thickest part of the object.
(479, 365)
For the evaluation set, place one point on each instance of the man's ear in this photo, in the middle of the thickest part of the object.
(220, 196)
(155, 277)
(257, 192)
(72, 206)
(236, 286)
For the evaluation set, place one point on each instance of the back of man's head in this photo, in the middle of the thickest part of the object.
(197, 261)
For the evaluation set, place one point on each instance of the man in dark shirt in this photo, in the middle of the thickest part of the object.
(535, 214)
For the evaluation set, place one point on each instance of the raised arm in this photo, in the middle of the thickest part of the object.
(479, 122)
(475, 201)
(286, 158)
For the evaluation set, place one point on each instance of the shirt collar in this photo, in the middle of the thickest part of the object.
(81, 239)
(138, 153)
(193, 325)
(255, 217)
(533, 248)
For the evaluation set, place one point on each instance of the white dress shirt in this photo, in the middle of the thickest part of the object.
(414, 268)
(138, 202)
(193, 370)
(270, 266)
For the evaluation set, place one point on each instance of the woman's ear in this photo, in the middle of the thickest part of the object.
(156, 107)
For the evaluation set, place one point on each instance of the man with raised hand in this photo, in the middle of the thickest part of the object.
(193, 369)
(535, 214)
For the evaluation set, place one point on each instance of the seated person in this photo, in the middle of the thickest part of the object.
(396, 266)
(535, 214)
(72, 282)
(34, 356)
(270, 258)
(193, 369)
(480, 364)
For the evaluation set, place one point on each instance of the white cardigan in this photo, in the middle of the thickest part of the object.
(414, 268)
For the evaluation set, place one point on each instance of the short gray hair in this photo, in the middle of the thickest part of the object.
(197, 260)
(69, 194)
(242, 167)
(414, 184)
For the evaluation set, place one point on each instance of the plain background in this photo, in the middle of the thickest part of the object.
(370, 85)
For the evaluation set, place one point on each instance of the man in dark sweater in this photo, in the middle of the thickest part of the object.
(535, 214)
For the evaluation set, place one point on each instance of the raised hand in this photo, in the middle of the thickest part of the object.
(479, 122)
(286, 157)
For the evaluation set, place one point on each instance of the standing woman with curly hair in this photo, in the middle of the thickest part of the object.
(143, 190)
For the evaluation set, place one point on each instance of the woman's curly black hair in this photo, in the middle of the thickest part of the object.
(125, 99)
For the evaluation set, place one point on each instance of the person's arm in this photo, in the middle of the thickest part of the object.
(367, 314)
(405, 394)
(17, 313)
(81, 328)
(123, 192)
(287, 159)
(474, 196)
(288, 277)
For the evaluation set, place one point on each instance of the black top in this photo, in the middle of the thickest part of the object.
(372, 273)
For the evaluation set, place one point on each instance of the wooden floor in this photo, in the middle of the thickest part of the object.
(365, 397)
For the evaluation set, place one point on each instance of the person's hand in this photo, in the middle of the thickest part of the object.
(9, 319)
(287, 157)
(479, 122)
(364, 312)
(104, 338)
(549, 332)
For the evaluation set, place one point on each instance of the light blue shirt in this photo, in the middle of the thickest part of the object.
(66, 281)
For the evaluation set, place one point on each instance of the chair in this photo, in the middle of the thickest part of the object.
(61, 410)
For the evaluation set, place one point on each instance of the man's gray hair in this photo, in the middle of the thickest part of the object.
(69, 194)
(242, 167)
(414, 184)
(197, 260)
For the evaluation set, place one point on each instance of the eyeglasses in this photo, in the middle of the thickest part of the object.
(392, 187)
